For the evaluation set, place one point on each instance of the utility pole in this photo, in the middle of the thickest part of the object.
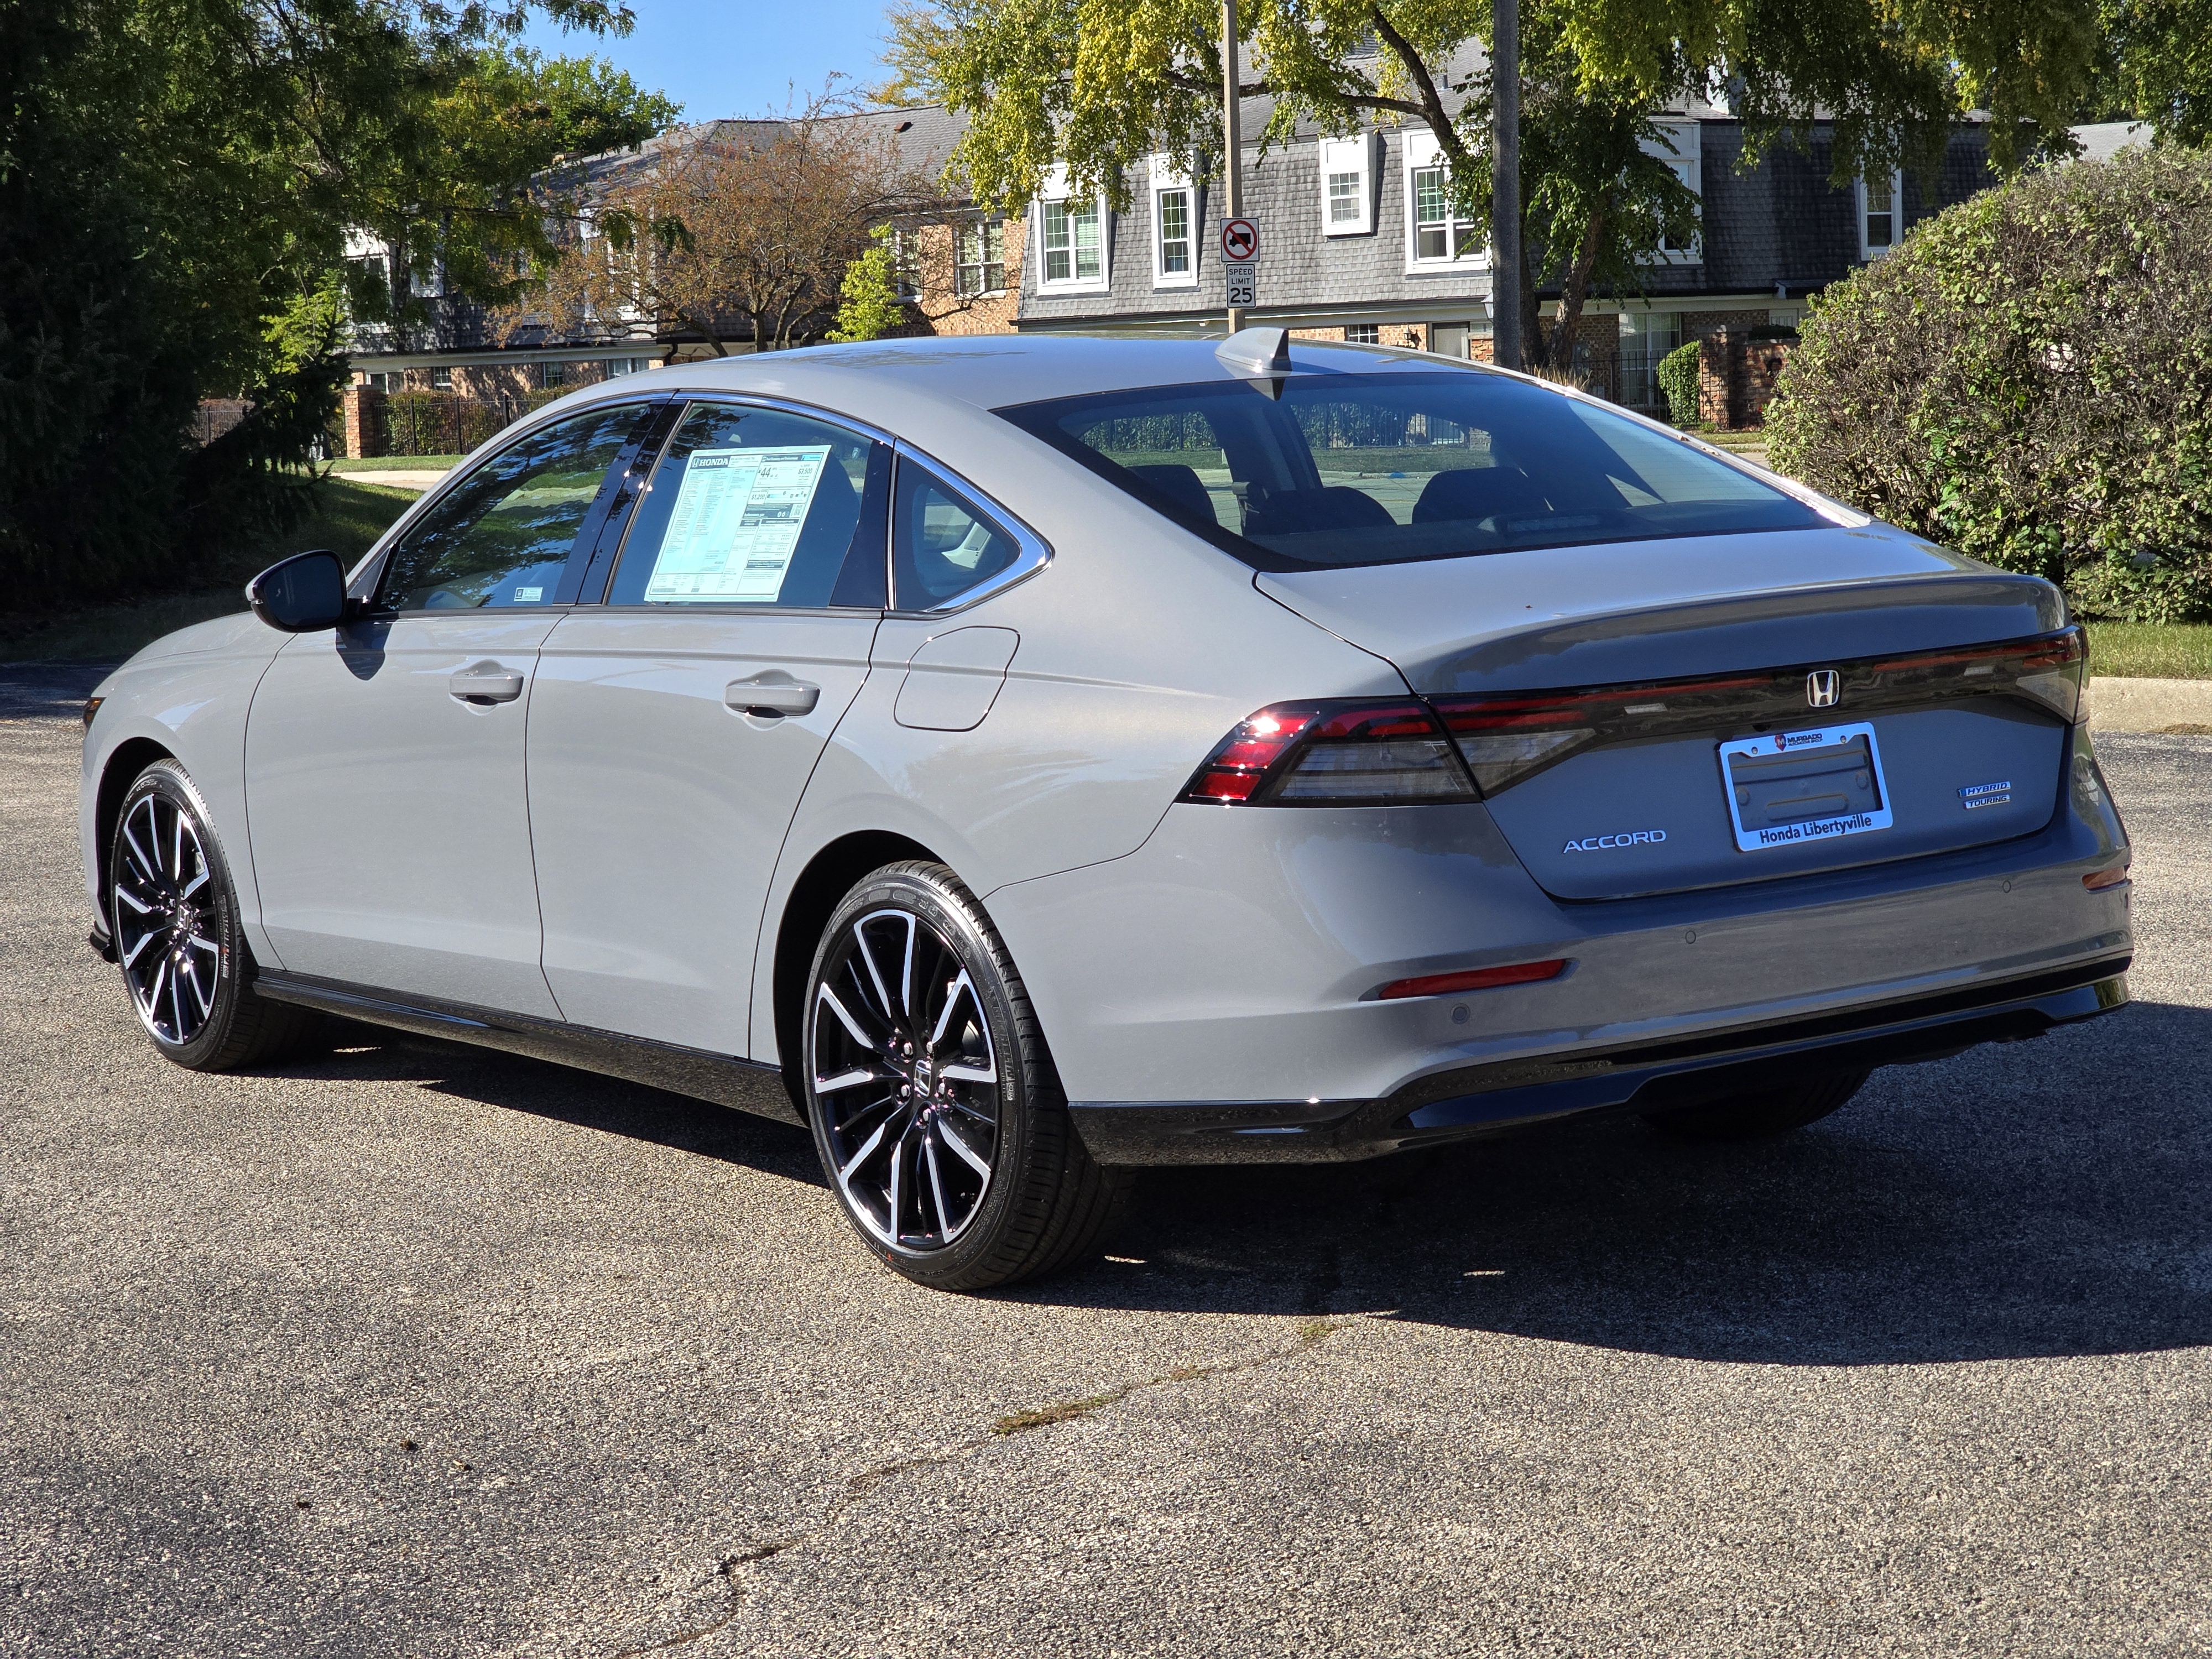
(1505, 185)
(1232, 167)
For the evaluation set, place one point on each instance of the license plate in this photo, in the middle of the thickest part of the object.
(1791, 787)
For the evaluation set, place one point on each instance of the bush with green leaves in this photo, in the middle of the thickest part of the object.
(2028, 379)
(1678, 378)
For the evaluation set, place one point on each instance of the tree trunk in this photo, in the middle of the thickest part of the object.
(1576, 289)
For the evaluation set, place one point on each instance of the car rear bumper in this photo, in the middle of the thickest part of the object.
(1476, 1100)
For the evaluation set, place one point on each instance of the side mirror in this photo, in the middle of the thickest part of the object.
(303, 594)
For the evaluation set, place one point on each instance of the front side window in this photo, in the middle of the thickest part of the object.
(1174, 232)
(1382, 469)
(755, 507)
(504, 534)
(942, 543)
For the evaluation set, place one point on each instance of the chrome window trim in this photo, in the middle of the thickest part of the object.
(368, 575)
(1035, 555)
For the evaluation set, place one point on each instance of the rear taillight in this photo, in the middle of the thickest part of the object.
(2049, 670)
(1333, 754)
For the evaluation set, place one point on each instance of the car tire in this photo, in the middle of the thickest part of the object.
(1761, 1112)
(935, 1104)
(173, 922)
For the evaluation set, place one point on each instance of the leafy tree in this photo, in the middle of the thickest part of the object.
(747, 229)
(871, 306)
(177, 181)
(452, 200)
(2156, 66)
(1098, 85)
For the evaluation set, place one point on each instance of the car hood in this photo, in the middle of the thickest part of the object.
(1659, 609)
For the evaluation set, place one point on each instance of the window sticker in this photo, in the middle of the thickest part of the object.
(736, 525)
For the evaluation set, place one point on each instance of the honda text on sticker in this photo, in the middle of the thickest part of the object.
(1021, 760)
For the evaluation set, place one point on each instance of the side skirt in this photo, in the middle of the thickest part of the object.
(723, 1078)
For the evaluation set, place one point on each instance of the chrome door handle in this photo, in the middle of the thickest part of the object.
(780, 695)
(486, 683)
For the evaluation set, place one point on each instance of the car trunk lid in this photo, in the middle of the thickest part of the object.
(1667, 716)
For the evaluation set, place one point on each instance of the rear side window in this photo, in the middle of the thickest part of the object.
(1379, 468)
(942, 543)
(503, 536)
(758, 507)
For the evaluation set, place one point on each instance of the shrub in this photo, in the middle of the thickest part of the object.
(1678, 378)
(2029, 378)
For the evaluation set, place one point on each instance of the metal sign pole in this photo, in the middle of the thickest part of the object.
(1506, 342)
(1232, 167)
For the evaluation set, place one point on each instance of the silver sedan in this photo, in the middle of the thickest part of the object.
(1020, 760)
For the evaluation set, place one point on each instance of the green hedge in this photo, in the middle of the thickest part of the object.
(2029, 378)
(1678, 378)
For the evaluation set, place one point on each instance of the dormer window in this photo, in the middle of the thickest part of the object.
(1175, 226)
(1071, 237)
(1437, 234)
(1347, 185)
(1881, 214)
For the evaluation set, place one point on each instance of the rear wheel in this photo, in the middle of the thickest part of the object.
(1764, 1112)
(935, 1107)
(172, 914)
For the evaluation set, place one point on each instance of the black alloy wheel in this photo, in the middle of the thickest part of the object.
(172, 917)
(935, 1107)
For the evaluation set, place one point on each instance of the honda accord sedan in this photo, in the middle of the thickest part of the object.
(1022, 760)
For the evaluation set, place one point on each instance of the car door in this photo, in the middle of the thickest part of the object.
(384, 795)
(674, 725)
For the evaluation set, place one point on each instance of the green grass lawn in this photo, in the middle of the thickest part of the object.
(349, 518)
(2151, 651)
(398, 464)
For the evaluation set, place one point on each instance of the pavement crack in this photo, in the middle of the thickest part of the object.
(1312, 1333)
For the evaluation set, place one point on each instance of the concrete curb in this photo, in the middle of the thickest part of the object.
(2129, 705)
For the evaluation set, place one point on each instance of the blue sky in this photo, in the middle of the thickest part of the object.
(737, 57)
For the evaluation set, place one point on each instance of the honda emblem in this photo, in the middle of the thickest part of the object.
(1821, 689)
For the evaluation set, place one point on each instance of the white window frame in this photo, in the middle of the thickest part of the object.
(1056, 192)
(1684, 161)
(1343, 155)
(1422, 152)
(980, 229)
(1168, 179)
(1869, 252)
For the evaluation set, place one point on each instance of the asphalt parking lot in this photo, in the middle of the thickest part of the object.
(419, 1350)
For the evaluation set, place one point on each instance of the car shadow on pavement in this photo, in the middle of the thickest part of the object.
(2047, 1198)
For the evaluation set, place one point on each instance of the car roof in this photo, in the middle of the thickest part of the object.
(994, 371)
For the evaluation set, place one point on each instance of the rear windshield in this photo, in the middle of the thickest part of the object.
(1379, 468)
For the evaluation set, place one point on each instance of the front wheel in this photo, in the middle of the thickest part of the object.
(173, 916)
(935, 1106)
(1763, 1113)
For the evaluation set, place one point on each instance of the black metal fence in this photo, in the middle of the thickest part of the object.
(447, 422)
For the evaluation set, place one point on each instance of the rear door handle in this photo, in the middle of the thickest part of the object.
(486, 683)
(772, 692)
